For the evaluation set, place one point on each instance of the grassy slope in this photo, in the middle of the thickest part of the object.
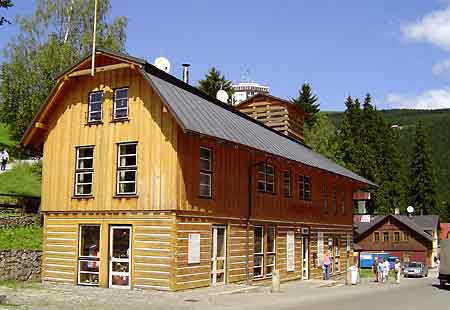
(4, 136)
(18, 238)
(21, 181)
(437, 125)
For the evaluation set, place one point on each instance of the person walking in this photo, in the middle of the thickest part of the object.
(375, 269)
(381, 270)
(4, 157)
(387, 268)
(326, 266)
(398, 270)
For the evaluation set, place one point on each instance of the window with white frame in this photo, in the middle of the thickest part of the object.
(120, 110)
(258, 251)
(89, 255)
(337, 254)
(84, 170)
(304, 184)
(271, 248)
(95, 111)
(334, 201)
(325, 198)
(287, 184)
(126, 168)
(205, 182)
(266, 178)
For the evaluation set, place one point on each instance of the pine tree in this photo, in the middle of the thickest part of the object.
(213, 82)
(308, 102)
(5, 4)
(422, 190)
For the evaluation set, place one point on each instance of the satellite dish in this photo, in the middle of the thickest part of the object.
(222, 96)
(410, 209)
(163, 64)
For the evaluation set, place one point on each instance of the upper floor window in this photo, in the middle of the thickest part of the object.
(304, 184)
(95, 111)
(325, 198)
(405, 236)
(376, 236)
(120, 110)
(126, 168)
(205, 186)
(334, 200)
(386, 236)
(84, 170)
(266, 178)
(287, 184)
(397, 236)
(343, 203)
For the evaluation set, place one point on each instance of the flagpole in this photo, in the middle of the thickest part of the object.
(93, 39)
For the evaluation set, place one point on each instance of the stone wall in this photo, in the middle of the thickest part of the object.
(20, 265)
(14, 221)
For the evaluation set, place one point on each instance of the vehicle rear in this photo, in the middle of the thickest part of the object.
(444, 265)
(415, 269)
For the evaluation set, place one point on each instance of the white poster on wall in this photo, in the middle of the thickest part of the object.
(194, 249)
(290, 248)
(348, 243)
(319, 248)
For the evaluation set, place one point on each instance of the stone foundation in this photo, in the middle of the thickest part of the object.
(14, 221)
(22, 265)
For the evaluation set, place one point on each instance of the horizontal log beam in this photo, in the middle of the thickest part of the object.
(101, 69)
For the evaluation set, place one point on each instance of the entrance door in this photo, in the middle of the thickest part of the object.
(218, 255)
(305, 256)
(119, 256)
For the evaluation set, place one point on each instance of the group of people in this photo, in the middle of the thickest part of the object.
(4, 157)
(382, 267)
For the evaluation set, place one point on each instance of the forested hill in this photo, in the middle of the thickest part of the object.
(437, 126)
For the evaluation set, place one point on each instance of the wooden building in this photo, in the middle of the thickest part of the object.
(410, 238)
(275, 113)
(149, 183)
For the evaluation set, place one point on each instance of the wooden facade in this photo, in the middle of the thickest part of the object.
(166, 213)
(276, 113)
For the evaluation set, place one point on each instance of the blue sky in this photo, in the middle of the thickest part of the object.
(398, 50)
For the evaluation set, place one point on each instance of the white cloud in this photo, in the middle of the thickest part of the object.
(442, 67)
(433, 28)
(429, 100)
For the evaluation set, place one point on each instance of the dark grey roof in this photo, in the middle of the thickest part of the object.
(413, 222)
(199, 115)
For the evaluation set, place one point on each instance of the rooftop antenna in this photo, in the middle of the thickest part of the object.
(93, 39)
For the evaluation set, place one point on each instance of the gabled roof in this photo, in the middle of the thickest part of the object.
(417, 223)
(198, 113)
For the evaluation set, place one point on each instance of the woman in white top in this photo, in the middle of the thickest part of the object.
(398, 270)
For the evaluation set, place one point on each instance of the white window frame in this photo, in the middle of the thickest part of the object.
(337, 254)
(287, 183)
(82, 171)
(305, 187)
(125, 169)
(206, 172)
(260, 254)
(262, 177)
(90, 112)
(272, 253)
(81, 258)
(115, 108)
(325, 198)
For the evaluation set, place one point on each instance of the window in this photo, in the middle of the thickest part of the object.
(270, 257)
(343, 203)
(258, 254)
(287, 184)
(334, 200)
(304, 183)
(376, 236)
(266, 178)
(84, 170)
(95, 111)
(325, 198)
(396, 236)
(120, 103)
(405, 236)
(205, 188)
(386, 236)
(126, 168)
(337, 255)
(89, 255)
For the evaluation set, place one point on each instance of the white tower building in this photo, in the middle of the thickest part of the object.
(245, 90)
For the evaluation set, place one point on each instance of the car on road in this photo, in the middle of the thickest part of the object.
(415, 269)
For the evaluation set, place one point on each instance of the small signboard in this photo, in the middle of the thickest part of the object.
(290, 251)
(365, 219)
(194, 249)
(305, 231)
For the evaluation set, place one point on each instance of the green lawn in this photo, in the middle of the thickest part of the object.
(20, 180)
(21, 238)
(17, 285)
(4, 136)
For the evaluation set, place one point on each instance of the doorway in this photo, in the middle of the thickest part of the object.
(120, 256)
(218, 255)
(305, 257)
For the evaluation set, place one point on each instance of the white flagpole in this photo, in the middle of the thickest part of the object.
(93, 39)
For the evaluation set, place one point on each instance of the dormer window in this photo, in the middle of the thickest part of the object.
(120, 110)
(95, 111)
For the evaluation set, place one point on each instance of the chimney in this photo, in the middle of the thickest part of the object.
(186, 73)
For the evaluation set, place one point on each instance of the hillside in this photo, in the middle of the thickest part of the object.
(437, 125)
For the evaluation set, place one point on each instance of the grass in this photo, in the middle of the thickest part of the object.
(4, 136)
(21, 238)
(20, 180)
(17, 285)
(367, 273)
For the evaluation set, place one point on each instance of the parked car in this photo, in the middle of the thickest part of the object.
(415, 269)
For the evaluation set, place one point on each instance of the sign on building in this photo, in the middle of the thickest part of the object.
(319, 248)
(194, 249)
(290, 248)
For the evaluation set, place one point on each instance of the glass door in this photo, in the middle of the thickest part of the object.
(305, 256)
(119, 256)
(218, 255)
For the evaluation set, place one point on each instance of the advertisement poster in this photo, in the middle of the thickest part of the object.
(290, 251)
(319, 248)
(194, 249)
